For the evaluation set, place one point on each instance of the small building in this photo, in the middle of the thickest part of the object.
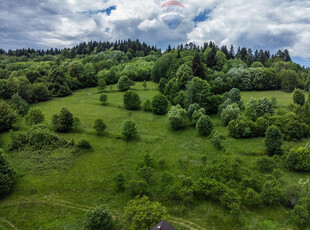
(163, 225)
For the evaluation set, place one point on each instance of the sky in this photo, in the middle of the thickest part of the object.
(256, 24)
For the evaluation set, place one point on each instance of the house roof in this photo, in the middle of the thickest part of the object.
(163, 226)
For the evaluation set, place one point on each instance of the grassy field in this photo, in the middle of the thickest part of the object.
(54, 191)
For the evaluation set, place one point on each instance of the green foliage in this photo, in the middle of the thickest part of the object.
(7, 116)
(258, 108)
(198, 91)
(7, 177)
(19, 104)
(34, 116)
(272, 193)
(147, 106)
(124, 83)
(146, 173)
(144, 84)
(102, 84)
(241, 129)
(299, 97)
(273, 140)
(300, 215)
(289, 80)
(37, 137)
(267, 164)
(162, 85)
(298, 160)
(159, 104)
(231, 112)
(99, 218)
(216, 141)
(177, 118)
(197, 114)
(89, 78)
(137, 188)
(252, 198)
(204, 126)
(129, 130)
(99, 126)
(40, 92)
(143, 214)
(120, 182)
(103, 98)
(131, 100)
(63, 122)
(84, 144)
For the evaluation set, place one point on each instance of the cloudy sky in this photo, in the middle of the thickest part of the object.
(266, 24)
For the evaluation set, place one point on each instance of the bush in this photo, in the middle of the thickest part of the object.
(147, 106)
(120, 182)
(197, 114)
(37, 137)
(204, 126)
(257, 108)
(6, 177)
(34, 116)
(273, 140)
(19, 104)
(160, 104)
(137, 188)
(251, 198)
(101, 84)
(143, 214)
(99, 126)
(98, 219)
(300, 215)
(299, 97)
(84, 144)
(7, 116)
(295, 130)
(41, 92)
(177, 118)
(131, 100)
(241, 129)
(231, 112)
(272, 192)
(216, 141)
(146, 173)
(267, 164)
(124, 83)
(298, 160)
(63, 122)
(191, 109)
(103, 98)
(129, 130)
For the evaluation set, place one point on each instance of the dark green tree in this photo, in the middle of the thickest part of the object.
(160, 104)
(273, 140)
(99, 218)
(131, 100)
(197, 67)
(204, 126)
(63, 122)
(299, 97)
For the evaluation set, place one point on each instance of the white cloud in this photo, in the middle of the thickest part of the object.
(266, 24)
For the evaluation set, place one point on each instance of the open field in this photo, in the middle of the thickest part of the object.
(55, 191)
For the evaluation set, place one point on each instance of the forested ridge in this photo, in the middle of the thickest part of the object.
(197, 87)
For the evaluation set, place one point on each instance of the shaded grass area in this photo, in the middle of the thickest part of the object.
(87, 179)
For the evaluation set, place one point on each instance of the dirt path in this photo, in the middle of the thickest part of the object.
(8, 222)
(61, 203)
(188, 224)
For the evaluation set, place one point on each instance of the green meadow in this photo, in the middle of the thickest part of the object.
(54, 190)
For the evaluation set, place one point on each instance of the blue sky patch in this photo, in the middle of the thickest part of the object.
(202, 16)
(108, 11)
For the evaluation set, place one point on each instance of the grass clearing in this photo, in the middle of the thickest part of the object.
(69, 184)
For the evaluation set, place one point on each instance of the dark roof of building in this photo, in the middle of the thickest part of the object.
(163, 226)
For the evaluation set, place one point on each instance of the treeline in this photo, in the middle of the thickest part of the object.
(135, 47)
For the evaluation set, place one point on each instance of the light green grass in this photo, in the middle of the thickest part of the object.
(45, 182)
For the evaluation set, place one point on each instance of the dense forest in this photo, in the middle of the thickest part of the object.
(196, 84)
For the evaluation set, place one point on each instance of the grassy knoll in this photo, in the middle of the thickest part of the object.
(54, 190)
